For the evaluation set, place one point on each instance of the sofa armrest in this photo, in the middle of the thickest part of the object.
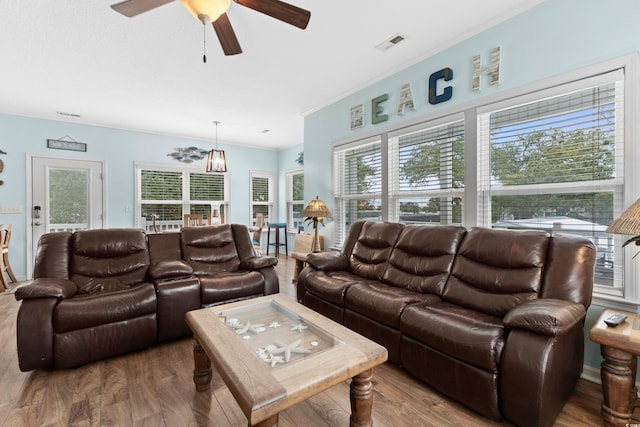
(258, 262)
(169, 270)
(546, 316)
(47, 288)
(328, 261)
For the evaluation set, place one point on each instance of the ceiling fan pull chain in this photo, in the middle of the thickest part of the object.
(204, 43)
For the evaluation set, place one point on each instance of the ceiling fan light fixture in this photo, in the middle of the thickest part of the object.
(206, 10)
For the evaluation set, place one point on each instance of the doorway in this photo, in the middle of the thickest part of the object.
(66, 195)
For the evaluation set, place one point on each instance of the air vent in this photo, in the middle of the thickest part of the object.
(390, 42)
(62, 113)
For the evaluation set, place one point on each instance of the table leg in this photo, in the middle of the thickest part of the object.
(202, 370)
(361, 399)
(618, 378)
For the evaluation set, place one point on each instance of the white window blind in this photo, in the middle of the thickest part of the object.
(167, 193)
(295, 199)
(426, 174)
(261, 196)
(358, 185)
(556, 163)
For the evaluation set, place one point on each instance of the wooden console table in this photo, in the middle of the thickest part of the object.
(620, 347)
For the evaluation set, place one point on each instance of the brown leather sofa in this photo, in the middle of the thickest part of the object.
(101, 293)
(491, 318)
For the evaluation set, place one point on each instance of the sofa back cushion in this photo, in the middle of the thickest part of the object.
(372, 249)
(109, 259)
(495, 270)
(210, 250)
(422, 258)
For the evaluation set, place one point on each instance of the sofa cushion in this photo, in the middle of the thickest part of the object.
(470, 336)
(105, 307)
(422, 257)
(372, 249)
(210, 250)
(230, 285)
(108, 259)
(383, 303)
(495, 270)
(330, 285)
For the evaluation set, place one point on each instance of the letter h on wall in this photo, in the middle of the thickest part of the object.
(493, 70)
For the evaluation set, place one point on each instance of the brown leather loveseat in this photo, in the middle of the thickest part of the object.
(101, 293)
(491, 318)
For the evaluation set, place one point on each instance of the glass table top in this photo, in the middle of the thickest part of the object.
(276, 335)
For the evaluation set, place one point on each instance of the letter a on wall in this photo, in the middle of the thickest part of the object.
(406, 99)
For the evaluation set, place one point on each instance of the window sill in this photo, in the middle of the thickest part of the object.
(618, 303)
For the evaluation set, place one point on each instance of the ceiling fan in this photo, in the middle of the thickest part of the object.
(215, 11)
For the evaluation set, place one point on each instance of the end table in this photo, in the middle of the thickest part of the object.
(620, 347)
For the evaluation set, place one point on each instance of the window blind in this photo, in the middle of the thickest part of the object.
(427, 175)
(261, 196)
(358, 189)
(556, 164)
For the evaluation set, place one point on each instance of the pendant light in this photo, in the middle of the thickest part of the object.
(216, 161)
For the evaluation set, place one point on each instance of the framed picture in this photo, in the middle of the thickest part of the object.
(59, 144)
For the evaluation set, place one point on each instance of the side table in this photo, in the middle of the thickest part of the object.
(620, 347)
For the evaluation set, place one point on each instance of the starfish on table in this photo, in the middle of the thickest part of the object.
(250, 328)
(274, 325)
(288, 349)
(299, 327)
(274, 360)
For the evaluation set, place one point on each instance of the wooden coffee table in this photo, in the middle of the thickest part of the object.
(272, 353)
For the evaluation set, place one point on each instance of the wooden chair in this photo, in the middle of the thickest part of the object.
(5, 267)
(193, 220)
(256, 238)
(301, 248)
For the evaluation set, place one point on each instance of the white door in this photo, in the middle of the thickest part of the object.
(65, 195)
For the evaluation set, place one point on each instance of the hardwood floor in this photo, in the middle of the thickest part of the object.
(155, 388)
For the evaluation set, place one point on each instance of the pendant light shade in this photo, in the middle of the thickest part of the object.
(216, 160)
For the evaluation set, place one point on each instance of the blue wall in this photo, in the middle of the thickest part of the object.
(556, 37)
(120, 149)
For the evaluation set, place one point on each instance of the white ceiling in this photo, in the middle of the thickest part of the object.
(146, 73)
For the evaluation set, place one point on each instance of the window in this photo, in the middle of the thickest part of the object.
(357, 185)
(555, 163)
(167, 193)
(552, 157)
(262, 196)
(426, 174)
(295, 199)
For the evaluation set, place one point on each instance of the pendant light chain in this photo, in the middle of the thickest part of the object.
(204, 45)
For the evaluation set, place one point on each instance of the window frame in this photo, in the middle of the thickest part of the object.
(185, 202)
(269, 203)
(290, 175)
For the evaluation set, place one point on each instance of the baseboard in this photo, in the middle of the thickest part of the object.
(592, 374)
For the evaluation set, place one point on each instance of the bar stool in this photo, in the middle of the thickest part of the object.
(277, 226)
(5, 267)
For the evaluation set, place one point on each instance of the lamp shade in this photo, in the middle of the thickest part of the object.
(216, 161)
(206, 10)
(316, 208)
(628, 222)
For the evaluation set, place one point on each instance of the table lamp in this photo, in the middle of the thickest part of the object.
(628, 223)
(316, 211)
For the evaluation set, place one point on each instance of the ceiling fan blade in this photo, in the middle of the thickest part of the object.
(226, 35)
(285, 12)
(132, 8)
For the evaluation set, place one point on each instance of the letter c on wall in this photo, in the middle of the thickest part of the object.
(446, 74)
